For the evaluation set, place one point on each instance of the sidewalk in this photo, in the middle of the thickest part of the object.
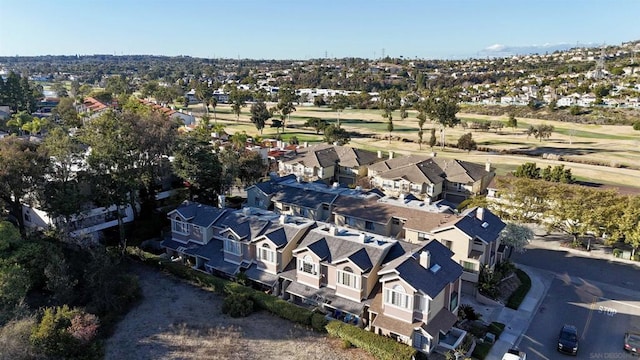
(517, 321)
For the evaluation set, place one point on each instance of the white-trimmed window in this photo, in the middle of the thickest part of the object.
(179, 226)
(397, 297)
(266, 254)
(231, 246)
(346, 277)
(307, 265)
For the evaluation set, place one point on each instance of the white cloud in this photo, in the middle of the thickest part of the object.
(495, 47)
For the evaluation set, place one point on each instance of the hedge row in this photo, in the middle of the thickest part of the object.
(382, 348)
(263, 301)
(518, 296)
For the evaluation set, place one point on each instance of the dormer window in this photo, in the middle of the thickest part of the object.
(266, 254)
(232, 246)
(346, 277)
(397, 297)
(307, 265)
(179, 226)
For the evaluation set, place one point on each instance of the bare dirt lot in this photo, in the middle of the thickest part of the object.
(177, 320)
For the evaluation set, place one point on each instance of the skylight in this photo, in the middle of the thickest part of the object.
(435, 268)
(485, 224)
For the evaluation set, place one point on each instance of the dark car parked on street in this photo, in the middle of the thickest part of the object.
(568, 340)
(632, 342)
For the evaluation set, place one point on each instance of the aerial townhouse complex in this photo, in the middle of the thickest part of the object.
(392, 264)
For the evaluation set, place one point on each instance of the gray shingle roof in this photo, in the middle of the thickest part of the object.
(397, 162)
(425, 280)
(245, 227)
(270, 186)
(308, 198)
(198, 214)
(460, 171)
(338, 248)
(426, 171)
(323, 156)
(371, 209)
(471, 225)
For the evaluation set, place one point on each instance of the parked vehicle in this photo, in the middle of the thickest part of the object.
(632, 342)
(568, 340)
(514, 354)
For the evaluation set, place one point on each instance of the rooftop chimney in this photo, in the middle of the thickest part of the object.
(487, 166)
(390, 155)
(283, 219)
(332, 230)
(362, 237)
(425, 259)
(379, 154)
(480, 213)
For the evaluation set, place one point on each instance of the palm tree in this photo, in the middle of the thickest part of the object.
(35, 125)
(18, 120)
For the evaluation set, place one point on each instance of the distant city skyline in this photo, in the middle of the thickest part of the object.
(279, 29)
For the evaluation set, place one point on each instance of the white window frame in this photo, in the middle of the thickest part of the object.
(304, 264)
(397, 297)
(266, 254)
(180, 227)
(347, 278)
(232, 246)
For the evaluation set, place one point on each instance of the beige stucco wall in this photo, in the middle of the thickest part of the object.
(302, 277)
(344, 291)
(268, 267)
(394, 311)
(436, 304)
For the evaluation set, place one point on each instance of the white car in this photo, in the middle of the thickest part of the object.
(514, 354)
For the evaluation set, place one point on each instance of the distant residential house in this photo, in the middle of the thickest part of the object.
(473, 236)
(86, 223)
(329, 163)
(431, 177)
(567, 101)
(92, 105)
(586, 100)
(419, 299)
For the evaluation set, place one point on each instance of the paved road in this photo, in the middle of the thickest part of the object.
(600, 297)
(563, 262)
(601, 321)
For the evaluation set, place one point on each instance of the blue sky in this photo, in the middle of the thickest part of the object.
(302, 29)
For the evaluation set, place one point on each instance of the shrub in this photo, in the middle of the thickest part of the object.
(518, 296)
(481, 350)
(346, 344)
(380, 347)
(636, 125)
(237, 305)
(57, 334)
(318, 322)
(14, 339)
(496, 328)
(468, 312)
